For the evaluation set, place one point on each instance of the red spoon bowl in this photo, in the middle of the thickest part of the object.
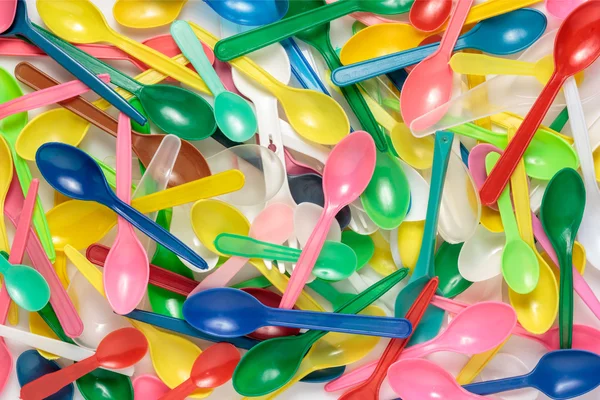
(429, 15)
(269, 299)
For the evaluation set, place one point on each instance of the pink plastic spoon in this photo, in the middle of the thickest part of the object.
(561, 8)
(126, 270)
(347, 173)
(16, 257)
(148, 387)
(429, 85)
(8, 8)
(478, 172)
(60, 301)
(476, 329)
(275, 224)
(46, 97)
(424, 380)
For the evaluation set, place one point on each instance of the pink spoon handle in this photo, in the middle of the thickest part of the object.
(46, 97)
(180, 392)
(17, 251)
(222, 276)
(581, 286)
(60, 301)
(457, 20)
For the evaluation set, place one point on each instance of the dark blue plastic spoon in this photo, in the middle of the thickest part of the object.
(31, 365)
(75, 174)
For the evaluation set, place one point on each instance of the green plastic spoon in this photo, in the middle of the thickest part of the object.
(234, 115)
(446, 268)
(25, 286)
(318, 14)
(173, 109)
(363, 247)
(520, 266)
(272, 363)
(10, 128)
(561, 214)
(336, 260)
(425, 268)
(546, 155)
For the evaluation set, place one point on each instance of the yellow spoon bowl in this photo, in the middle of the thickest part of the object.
(38, 326)
(172, 356)
(6, 176)
(491, 220)
(147, 13)
(382, 261)
(410, 236)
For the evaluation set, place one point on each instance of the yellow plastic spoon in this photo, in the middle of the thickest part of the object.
(332, 350)
(314, 115)
(481, 64)
(172, 356)
(382, 260)
(6, 176)
(410, 236)
(80, 21)
(210, 218)
(145, 14)
(39, 327)
(379, 40)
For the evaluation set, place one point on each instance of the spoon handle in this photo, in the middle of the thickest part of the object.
(40, 38)
(498, 385)
(477, 132)
(180, 392)
(345, 323)
(245, 246)
(455, 25)
(481, 64)
(192, 49)
(247, 42)
(51, 383)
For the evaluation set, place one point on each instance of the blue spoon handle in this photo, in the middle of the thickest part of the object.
(364, 70)
(85, 76)
(155, 231)
(498, 385)
(345, 323)
(181, 326)
(302, 69)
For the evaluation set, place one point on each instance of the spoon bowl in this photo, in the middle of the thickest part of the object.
(26, 286)
(31, 365)
(148, 387)
(429, 15)
(146, 14)
(8, 10)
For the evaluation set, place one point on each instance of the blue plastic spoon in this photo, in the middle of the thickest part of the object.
(31, 365)
(561, 374)
(505, 34)
(233, 313)
(250, 12)
(75, 174)
(22, 26)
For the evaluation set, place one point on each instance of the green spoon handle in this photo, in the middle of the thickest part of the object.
(441, 155)
(192, 49)
(565, 311)
(39, 216)
(509, 221)
(476, 132)
(260, 282)
(324, 289)
(561, 120)
(94, 65)
(247, 42)
(364, 299)
(244, 246)
(353, 96)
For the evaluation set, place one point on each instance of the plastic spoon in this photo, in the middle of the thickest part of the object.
(340, 172)
(562, 8)
(274, 224)
(26, 287)
(31, 366)
(568, 60)
(513, 32)
(233, 114)
(213, 368)
(452, 283)
(464, 334)
(119, 349)
(8, 9)
(63, 165)
(520, 266)
(320, 13)
(429, 84)
(190, 164)
(429, 15)
(148, 387)
(286, 354)
(424, 380)
(22, 26)
(561, 214)
(6, 177)
(480, 258)
(561, 374)
(336, 261)
(315, 116)
(146, 14)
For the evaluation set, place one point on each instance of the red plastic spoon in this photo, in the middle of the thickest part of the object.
(119, 349)
(8, 8)
(213, 368)
(576, 47)
(429, 15)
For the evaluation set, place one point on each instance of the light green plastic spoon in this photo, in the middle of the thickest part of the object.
(25, 286)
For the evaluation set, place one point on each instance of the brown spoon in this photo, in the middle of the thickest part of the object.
(190, 165)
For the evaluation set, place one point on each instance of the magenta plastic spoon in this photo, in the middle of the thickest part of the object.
(126, 270)
(347, 173)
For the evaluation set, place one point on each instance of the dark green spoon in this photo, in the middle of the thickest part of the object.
(446, 268)
(561, 214)
(363, 247)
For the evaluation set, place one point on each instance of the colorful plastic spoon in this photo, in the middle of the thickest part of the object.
(562, 8)
(31, 366)
(569, 60)
(6, 177)
(269, 299)
(213, 368)
(343, 182)
(8, 9)
(149, 387)
(146, 14)
(233, 114)
(429, 15)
